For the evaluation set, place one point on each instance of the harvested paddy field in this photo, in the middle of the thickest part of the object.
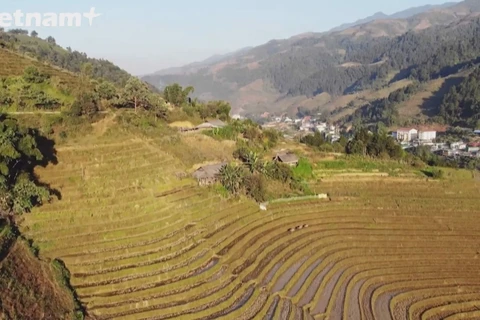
(141, 243)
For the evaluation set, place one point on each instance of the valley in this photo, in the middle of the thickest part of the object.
(326, 176)
(141, 243)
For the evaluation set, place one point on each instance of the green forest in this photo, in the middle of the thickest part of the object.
(461, 105)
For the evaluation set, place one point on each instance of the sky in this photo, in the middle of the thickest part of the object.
(144, 36)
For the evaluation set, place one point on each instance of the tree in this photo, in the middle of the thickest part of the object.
(255, 187)
(51, 40)
(34, 34)
(252, 161)
(33, 75)
(84, 105)
(231, 178)
(157, 106)
(19, 31)
(136, 93)
(176, 95)
(19, 154)
(355, 147)
(106, 90)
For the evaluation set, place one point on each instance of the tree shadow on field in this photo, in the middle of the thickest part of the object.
(46, 147)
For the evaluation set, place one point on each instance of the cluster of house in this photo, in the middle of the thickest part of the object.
(412, 137)
(456, 149)
(208, 175)
(306, 124)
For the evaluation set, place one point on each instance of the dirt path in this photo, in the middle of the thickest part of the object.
(31, 112)
(100, 127)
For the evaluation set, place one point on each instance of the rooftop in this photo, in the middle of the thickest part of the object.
(210, 171)
(405, 129)
(287, 157)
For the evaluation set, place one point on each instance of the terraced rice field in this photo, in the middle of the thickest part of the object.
(142, 244)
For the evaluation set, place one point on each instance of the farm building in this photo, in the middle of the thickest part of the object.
(406, 134)
(287, 157)
(212, 124)
(208, 175)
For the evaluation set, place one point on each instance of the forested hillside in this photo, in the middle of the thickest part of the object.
(461, 105)
(39, 75)
(48, 51)
(425, 46)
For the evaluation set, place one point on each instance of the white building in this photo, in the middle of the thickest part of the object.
(406, 134)
(460, 145)
(322, 127)
(427, 135)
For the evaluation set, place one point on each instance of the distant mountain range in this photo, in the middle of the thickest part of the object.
(191, 67)
(314, 68)
(405, 14)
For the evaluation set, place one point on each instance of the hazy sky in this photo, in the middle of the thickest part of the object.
(145, 36)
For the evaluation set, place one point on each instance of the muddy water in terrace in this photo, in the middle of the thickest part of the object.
(293, 292)
(289, 274)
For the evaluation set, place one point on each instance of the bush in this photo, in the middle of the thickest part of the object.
(437, 174)
(279, 171)
(33, 75)
(255, 187)
(417, 163)
(304, 169)
(85, 104)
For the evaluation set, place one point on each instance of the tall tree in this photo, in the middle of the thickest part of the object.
(176, 94)
(136, 93)
(19, 153)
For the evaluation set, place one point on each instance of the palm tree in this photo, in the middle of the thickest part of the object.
(264, 168)
(252, 161)
(231, 178)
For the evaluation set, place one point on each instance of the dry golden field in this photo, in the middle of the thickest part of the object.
(141, 243)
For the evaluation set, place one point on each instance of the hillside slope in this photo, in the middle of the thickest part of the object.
(143, 241)
(47, 50)
(29, 288)
(282, 73)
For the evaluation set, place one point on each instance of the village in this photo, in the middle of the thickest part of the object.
(301, 126)
(464, 147)
(409, 138)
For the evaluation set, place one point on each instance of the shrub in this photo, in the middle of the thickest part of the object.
(304, 169)
(33, 75)
(255, 187)
(417, 163)
(231, 178)
(437, 174)
(279, 171)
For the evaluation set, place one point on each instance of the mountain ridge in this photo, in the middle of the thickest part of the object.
(404, 14)
(280, 73)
